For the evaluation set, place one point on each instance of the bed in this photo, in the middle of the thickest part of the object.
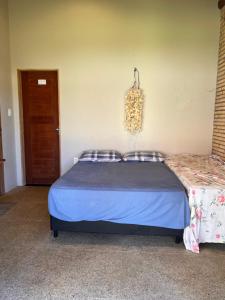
(133, 198)
(204, 179)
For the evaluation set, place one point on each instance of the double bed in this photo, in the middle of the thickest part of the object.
(121, 197)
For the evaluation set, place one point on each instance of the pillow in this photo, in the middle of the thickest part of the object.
(217, 158)
(143, 156)
(100, 156)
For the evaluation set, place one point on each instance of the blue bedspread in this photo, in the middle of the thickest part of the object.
(146, 193)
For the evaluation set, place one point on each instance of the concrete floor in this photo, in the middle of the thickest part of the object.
(34, 265)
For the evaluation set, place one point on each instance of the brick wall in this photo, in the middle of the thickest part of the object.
(218, 146)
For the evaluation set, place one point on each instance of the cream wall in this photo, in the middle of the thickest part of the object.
(96, 43)
(6, 100)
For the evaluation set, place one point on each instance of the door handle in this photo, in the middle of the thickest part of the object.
(58, 130)
(2, 160)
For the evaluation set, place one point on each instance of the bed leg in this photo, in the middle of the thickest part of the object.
(51, 226)
(178, 239)
(55, 233)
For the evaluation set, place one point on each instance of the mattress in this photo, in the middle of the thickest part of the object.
(142, 193)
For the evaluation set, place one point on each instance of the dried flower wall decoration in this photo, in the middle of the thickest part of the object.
(134, 101)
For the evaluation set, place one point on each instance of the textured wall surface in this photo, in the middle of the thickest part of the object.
(6, 100)
(96, 44)
(219, 117)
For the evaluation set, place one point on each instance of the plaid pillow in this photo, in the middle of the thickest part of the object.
(143, 156)
(100, 156)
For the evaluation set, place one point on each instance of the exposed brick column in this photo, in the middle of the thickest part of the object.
(218, 146)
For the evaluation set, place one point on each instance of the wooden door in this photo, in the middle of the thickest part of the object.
(41, 126)
(2, 185)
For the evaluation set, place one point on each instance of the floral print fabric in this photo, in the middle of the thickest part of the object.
(204, 180)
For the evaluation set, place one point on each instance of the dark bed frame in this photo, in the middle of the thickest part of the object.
(57, 225)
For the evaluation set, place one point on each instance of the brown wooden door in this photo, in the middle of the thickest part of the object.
(41, 126)
(2, 184)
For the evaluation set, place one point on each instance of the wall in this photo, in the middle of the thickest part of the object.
(219, 116)
(6, 100)
(96, 43)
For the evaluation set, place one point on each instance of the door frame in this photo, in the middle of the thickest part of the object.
(21, 119)
(2, 181)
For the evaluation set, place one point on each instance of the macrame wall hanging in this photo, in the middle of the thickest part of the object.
(134, 101)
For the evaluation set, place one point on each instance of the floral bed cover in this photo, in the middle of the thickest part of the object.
(204, 178)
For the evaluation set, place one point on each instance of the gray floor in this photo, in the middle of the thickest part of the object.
(33, 265)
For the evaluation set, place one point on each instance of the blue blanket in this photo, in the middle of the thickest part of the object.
(143, 193)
